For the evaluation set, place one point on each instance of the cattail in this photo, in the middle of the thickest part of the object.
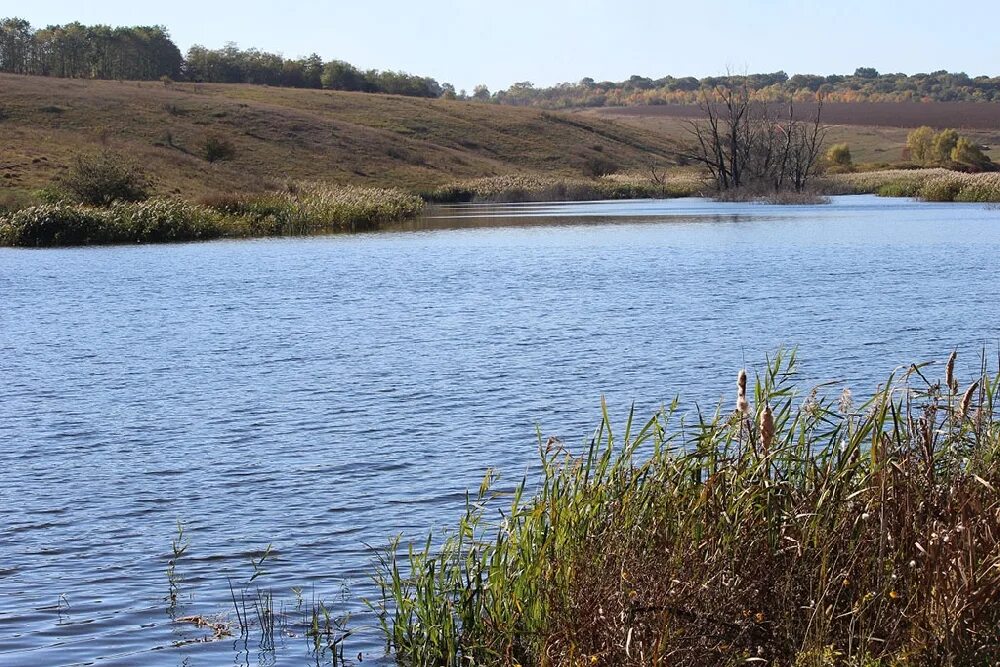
(949, 373)
(741, 393)
(766, 429)
(963, 410)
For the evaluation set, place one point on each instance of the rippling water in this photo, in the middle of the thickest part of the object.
(323, 393)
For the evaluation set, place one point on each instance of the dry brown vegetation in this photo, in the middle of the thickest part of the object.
(280, 134)
(966, 115)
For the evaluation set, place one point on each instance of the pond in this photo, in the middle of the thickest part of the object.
(323, 394)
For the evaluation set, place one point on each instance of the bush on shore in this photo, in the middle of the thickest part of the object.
(100, 179)
(792, 530)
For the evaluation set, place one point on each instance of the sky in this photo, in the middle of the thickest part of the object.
(466, 42)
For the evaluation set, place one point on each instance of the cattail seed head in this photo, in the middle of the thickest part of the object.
(766, 429)
(963, 410)
(949, 373)
(742, 405)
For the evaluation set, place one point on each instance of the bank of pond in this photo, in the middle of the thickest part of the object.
(315, 208)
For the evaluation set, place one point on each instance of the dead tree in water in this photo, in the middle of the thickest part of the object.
(744, 145)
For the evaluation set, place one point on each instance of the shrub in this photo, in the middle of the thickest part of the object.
(596, 166)
(970, 157)
(838, 159)
(217, 148)
(100, 179)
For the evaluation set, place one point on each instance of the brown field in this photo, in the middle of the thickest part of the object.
(285, 133)
(876, 131)
(963, 115)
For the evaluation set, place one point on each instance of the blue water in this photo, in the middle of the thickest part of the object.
(327, 392)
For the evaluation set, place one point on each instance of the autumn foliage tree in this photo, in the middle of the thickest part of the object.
(946, 148)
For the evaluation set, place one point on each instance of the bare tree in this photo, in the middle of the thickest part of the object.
(743, 144)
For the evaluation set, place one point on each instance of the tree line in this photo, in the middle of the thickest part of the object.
(75, 50)
(866, 84)
(92, 52)
(147, 52)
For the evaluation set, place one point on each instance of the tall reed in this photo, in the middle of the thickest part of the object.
(822, 534)
(935, 185)
(528, 188)
(299, 209)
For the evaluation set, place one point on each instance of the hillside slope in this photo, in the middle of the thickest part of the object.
(282, 133)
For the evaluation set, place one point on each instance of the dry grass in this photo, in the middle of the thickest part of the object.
(523, 188)
(305, 135)
(807, 532)
(936, 185)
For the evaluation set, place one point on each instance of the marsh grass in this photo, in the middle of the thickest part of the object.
(804, 531)
(301, 209)
(523, 188)
(933, 185)
(307, 208)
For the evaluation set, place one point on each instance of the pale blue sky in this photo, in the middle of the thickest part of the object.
(468, 42)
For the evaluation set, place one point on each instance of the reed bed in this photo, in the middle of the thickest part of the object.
(307, 208)
(935, 185)
(785, 529)
(301, 209)
(523, 188)
(151, 221)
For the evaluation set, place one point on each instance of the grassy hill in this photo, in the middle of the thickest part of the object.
(284, 133)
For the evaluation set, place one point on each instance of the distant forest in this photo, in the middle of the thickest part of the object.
(147, 53)
(865, 85)
(78, 51)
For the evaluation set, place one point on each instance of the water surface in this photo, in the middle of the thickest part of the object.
(323, 393)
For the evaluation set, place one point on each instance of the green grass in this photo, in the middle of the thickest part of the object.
(825, 533)
(303, 209)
